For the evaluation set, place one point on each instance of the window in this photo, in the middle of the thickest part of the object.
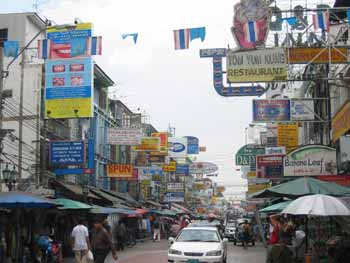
(3, 36)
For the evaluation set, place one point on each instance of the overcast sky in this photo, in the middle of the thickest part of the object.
(172, 87)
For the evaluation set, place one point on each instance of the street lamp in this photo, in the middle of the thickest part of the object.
(10, 177)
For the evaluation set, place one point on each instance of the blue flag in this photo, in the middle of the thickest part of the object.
(290, 20)
(11, 48)
(198, 32)
(133, 35)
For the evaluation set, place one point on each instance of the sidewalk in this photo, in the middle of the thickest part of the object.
(139, 249)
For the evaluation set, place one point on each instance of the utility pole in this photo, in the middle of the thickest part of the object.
(20, 121)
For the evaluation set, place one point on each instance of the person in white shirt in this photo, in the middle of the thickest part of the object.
(80, 242)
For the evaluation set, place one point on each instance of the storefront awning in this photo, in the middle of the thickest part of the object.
(110, 210)
(180, 207)
(68, 204)
(124, 196)
(152, 203)
(105, 195)
(72, 190)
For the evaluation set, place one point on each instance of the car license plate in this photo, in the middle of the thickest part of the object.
(193, 261)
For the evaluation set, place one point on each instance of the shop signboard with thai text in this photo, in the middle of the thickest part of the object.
(288, 136)
(341, 122)
(124, 136)
(269, 166)
(148, 144)
(67, 153)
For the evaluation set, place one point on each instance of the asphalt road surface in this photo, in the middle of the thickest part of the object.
(149, 252)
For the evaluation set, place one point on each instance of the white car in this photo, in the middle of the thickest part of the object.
(198, 244)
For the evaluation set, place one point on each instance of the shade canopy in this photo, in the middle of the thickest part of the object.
(164, 212)
(68, 204)
(109, 210)
(24, 200)
(275, 208)
(301, 187)
(317, 205)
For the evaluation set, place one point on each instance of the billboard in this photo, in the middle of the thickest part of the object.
(163, 147)
(271, 110)
(287, 136)
(269, 166)
(67, 152)
(302, 110)
(264, 65)
(317, 160)
(124, 136)
(121, 171)
(174, 197)
(341, 122)
(177, 147)
(68, 73)
(148, 144)
(171, 167)
(203, 168)
(192, 145)
(317, 55)
(152, 173)
(175, 187)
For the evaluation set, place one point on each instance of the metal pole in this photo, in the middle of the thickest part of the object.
(20, 121)
(38, 112)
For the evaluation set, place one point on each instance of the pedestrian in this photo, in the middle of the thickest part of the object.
(280, 253)
(121, 234)
(246, 234)
(80, 241)
(276, 232)
(101, 243)
(156, 230)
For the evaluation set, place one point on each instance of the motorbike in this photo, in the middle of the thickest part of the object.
(50, 250)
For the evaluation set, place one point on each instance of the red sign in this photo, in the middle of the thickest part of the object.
(343, 180)
(269, 166)
(88, 171)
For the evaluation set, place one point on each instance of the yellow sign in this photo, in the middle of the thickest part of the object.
(315, 55)
(148, 144)
(171, 167)
(163, 148)
(287, 135)
(256, 66)
(80, 26)
(121, 171)
(253, 188)
(68, 108)
(251, 174)
(341, 122)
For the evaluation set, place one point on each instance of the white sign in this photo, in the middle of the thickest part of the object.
(203, 168)
(265, 65)
(124, 136)
(310, 160)
(175, 187)
(301, 110)
(177, 147)
(149, 172)
(275, 150)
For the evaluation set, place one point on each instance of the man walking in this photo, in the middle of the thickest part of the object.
(80, 242)
(101, 243)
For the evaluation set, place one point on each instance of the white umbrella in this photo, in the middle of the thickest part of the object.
(317, 205)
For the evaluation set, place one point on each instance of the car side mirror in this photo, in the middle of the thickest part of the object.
(171, 240)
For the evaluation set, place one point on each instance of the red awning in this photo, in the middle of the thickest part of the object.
(343, 180)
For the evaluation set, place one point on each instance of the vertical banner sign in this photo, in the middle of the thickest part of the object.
(192, 145)
(287, 136)
(271, 110)
(265, 65)
(163, 137)
(69, 73)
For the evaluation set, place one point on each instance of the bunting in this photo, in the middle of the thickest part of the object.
(183, 37)
(133, 35)
(321, 21)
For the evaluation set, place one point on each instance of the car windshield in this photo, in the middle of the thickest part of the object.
(200, 235)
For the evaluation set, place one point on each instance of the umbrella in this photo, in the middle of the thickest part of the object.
(301, 187)
(24, 200)
(317, 205)
(275, 208)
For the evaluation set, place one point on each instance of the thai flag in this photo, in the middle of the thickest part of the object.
(95, 46)
(181, 38)
(321, 21)
(251, 32)
(44, 48)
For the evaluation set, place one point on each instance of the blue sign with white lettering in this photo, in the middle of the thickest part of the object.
(192, 145)
(182, 169)
(67, 153)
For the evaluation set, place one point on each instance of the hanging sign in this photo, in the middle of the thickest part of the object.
(124, 136)
(302, 110)
(341, 122)
(121, 171)
(163, 147)
(269, 166)
(148, 144)
(271, 110)
(192, 145)
(67, 152)
(152, 173)
(309, 160)
(317, 55)
(256, 66)
(177, 147)
(175, 187)
(287, 136)
(246, 156)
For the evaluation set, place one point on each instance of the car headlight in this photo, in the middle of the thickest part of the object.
(214, 253)
(174, 252)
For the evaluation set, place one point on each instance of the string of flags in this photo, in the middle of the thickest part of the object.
(183, 37)
(133, 35)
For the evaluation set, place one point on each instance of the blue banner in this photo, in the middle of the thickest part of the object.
(67, 153)
(192, 145)
(271, 110)
(174, 197)
(182, 169)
